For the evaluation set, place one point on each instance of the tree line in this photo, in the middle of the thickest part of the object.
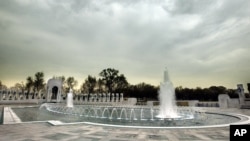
(111, 81)
(205, 94)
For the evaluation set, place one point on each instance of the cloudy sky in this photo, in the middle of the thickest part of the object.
(201, 42)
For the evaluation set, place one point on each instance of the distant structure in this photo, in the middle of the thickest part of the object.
(242, 102)
(54, 90)
(54, 93)
(241, 93)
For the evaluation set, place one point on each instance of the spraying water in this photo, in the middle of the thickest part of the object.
(69, 102)
(167, 98)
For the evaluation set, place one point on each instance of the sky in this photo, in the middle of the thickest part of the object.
(201, 42)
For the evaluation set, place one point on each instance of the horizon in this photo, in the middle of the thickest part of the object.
(202, 43)
(79, 84)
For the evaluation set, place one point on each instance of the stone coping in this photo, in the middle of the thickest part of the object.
(244, 119)
(11, 118)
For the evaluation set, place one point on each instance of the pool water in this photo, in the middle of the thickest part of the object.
(28, 114)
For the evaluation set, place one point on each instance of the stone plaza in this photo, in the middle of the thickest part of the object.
(45, 131)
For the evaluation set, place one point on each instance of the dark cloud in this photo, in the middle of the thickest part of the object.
(203, 41)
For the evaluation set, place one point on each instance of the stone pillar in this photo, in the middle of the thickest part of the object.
(100, 98)
(39, 94)
(22, 95)
(113, 97)
(77, 98)
(240, 91)
(95, 97)
(35, 95)
(85, 97)
(14, 95)
(17, 95)
(59, 95)
(9, 95)
(108, 97)
(48, 97)
(117, 97)
(121, 97)
(81, 98)
(223, 101)
(104, 98)
(4, 95)
(30, 95)
(25, 95)
(91, 97)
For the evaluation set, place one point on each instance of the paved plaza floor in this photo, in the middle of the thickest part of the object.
(83, 132)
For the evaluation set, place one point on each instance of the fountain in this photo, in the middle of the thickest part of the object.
(167, 99)
(70, 99)
(128, 114)
(165, 115)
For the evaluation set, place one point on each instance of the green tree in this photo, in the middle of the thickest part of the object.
(232, 93)
(89, 84)
(147, 90)
(206, 94)
(39, 81)
(101, 86)
(71, 83)
(2, 86)
(120, 84)
(20, 86)
(112, 80)
(215, 91)
(178, 92)
(29, 83)
(63, 80)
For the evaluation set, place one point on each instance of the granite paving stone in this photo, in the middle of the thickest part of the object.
(157, 137)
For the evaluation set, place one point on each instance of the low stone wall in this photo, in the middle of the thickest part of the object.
(190, 103)
(153, 103)
(208, 104)
(226, 102)
(31, 101)
(18, 97)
